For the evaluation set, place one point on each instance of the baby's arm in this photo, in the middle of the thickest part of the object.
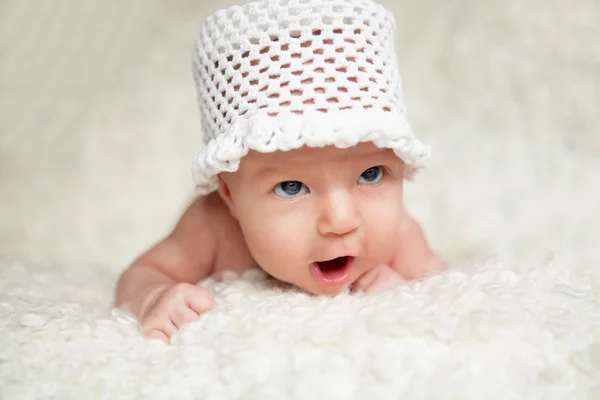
(159, 288)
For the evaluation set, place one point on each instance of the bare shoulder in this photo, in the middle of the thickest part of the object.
(230, 249)
(414, 257)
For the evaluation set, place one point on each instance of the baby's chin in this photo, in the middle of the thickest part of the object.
(309, 288)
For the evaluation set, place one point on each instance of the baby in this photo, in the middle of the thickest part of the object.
(306, 151)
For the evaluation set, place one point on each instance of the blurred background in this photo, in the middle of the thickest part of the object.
(99, 126)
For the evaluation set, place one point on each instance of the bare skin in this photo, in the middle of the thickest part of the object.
(247, 224)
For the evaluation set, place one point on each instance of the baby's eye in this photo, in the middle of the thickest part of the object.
(371, 176)
(290, 189)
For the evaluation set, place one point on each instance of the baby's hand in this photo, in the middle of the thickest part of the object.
(378, 279)
(169, 307)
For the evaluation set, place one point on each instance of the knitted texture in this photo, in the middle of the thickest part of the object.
(282, 74)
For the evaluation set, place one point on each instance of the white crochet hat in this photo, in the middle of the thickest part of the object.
(282, 74)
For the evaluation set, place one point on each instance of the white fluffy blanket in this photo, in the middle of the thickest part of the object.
(495, 332)
(99, 124)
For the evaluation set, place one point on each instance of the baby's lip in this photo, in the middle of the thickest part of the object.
(334, 276)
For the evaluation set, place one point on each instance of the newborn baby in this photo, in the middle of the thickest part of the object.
(307, 148)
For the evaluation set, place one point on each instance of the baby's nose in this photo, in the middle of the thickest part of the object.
(339, 214)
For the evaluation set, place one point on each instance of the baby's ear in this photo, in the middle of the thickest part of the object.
(225, 194)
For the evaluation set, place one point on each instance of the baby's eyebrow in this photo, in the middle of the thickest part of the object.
(263, 171)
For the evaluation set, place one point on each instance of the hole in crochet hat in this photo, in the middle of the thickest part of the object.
(333, 100)
(387, 109)
(309, 101)
(316, 32)
(331, 79)
(307, 81)
(296, 92)
(308, 62)
(320, 70)
(295, 34)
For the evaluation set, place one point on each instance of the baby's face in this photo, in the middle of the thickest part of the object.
(318, 218)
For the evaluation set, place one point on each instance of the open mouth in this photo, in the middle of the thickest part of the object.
(333, 272)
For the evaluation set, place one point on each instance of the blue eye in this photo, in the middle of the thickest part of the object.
(371, 176)
(290, 189)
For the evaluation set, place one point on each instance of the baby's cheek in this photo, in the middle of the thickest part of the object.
(276, 241)
(384, 230)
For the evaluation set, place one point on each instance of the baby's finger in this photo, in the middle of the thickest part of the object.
(200, 301)
(155, 334)
(183, 315)
(164, 325)
(387, 280)
(367, 279)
